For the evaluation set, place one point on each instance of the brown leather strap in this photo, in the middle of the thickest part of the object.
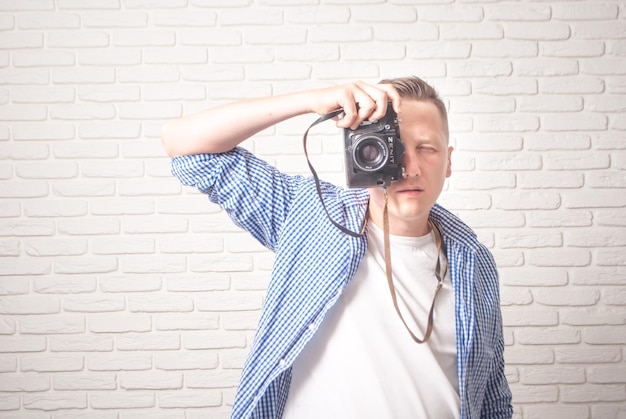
(438, 274)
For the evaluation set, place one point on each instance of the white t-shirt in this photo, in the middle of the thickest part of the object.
(362, 363)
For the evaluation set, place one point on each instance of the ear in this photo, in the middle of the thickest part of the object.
(449, 169)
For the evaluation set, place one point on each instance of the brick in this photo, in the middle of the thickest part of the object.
(506, 49)
(124, 206)
(198, 282)
(29, 305)
(76, 188)
(59, 247)
(341, 34)
(55, 401)
(189, 399)
(83, 75)
(8, 327)
(555, 180)
(122, 400)
(180, 321)
(184, 19)
(551, 374)
(9, 247)
(614, 297)
(274, 35)
(593, 199)
(93, 304)
(64, 284)
(160, 304)
(23, 112)
(48, 170)
(145, 38)
(228, 301)
(110, 57)
(565, 257)
(148, 342)
(189, 360)
(565, 85)
(51, 363)
(153, 264)
(612, 66)
(89, 4)
(114, 246)
(151, 380)
(85, 151)
(585, 12)
(605, 335)
(22, 344)
(75, 265)
(538, 317)
(556, 411)
(23, 189)
(7, 22)
(593, 393)
(119, 323)
(216, 379)
(119, 362)
(117, 169)
(575, 218)
(26, 228)
(83, 381)
(13, 41)
(80, 344)
(251, 17)
(590, 317)
(114, 19)
(130, 283)
(517, 12)
(224, 263)
(104, 130)
(48, 131)
(86, 226)
(573, 49)
(587, 355)
(146, 4)
(49, 20)
(529, 240)
(606, 375)
(528, 200)
(52, 94)
(87, 39)
(24, 76)
(547, 67)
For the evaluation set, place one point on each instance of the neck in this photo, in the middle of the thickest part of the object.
(413, 227)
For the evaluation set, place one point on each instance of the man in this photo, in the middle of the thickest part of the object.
(344, 332)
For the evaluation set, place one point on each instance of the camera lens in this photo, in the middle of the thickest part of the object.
(370, 153)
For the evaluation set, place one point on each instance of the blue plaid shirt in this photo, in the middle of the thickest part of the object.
(315, 261)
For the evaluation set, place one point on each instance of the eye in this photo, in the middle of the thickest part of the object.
(426, 149)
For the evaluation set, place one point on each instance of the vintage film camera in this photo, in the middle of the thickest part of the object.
(374, 152)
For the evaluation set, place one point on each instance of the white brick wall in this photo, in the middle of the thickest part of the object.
(123, 294)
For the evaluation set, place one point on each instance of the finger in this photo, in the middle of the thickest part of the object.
(392, 96)
(380, 96)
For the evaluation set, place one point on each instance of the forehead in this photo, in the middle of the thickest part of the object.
(420, 121)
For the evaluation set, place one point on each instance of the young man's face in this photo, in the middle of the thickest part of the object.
(427, 165)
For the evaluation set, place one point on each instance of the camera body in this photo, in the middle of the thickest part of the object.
(373, 152)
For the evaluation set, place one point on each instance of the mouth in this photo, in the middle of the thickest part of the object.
(408, 190)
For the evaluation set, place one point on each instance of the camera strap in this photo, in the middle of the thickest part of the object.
(438, 274)
(317, 180)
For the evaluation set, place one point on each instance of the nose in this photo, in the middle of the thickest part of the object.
(411, 165)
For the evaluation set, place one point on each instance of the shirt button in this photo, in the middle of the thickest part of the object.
(282, 363)
(311, 327)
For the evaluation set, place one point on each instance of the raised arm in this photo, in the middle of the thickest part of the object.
(222, 128)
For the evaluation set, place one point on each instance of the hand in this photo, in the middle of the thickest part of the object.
(360, 101)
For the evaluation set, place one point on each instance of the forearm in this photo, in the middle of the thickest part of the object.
(222, 128)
